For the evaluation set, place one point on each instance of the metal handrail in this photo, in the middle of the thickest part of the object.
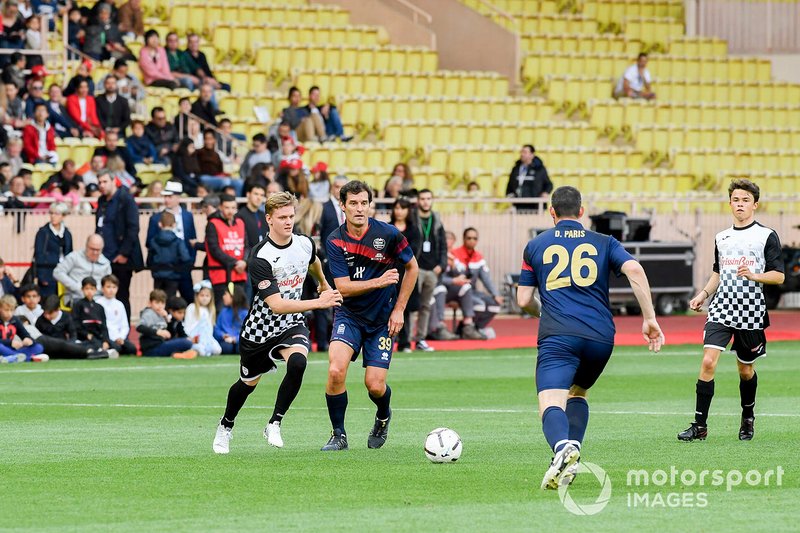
(417, 11)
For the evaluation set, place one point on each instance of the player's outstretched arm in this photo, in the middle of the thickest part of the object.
(641, 289)
(283, 306)
(316, 271)
(350, 288)
(528, 302)
(696, 303)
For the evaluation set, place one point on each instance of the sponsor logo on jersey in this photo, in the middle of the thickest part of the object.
(738, 261)
(378, 257)
(359, 273)
(379, 244)
(384, 356)
(263, 285)
(291, 282)
(340, 329)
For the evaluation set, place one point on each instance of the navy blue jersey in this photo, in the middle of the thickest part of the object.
(571, 267)
(381, 248)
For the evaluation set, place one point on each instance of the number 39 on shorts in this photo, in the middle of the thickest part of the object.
(385, 343)
(582, 268)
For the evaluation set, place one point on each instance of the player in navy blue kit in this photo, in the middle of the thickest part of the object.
(571, 265)
(364, 255)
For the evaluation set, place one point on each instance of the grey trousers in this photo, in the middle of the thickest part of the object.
(426, 282)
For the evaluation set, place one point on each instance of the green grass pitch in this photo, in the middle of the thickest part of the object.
(126, 446)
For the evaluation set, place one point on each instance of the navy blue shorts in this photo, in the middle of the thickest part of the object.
(565, 360)
(374, 341)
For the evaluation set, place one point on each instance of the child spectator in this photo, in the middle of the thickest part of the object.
(16, 344)
(156, 340)
(177, 311)
(168, 256)
(30, 310)
(200, 318)
(90, 318)
(6, 280)
(139, 145)
(33, 39)
(58, 334)
(116, 318)
(76, 31)
(230, 319)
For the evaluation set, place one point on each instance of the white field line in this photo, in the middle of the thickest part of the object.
(398, 359)
(400, 409)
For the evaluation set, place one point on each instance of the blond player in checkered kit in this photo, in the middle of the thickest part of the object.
(275, 329)
(746, 256)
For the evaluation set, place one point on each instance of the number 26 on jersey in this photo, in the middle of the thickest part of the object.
(582, 268)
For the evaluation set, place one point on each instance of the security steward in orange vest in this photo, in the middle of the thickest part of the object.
(226, 249)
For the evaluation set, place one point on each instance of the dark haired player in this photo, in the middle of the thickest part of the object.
(363, 256)
(275, 329)
(571, 267)
(746, 256)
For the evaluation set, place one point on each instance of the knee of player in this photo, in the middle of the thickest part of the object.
(746, 372)
(296, 364)
(577, 392)
(336, 374)
(709, 363)
(376, 387)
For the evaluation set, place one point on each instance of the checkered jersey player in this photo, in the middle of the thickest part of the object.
(363, 256)
(275, 329)
(746, 256)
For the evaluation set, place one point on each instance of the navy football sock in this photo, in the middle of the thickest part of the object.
(747, 392)
(290, 386)
(578, 416)
(237, 395)
(555, 426)
(382, 403)
(337, 405)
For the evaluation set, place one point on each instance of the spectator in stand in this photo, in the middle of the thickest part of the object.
(179, 63)
(116, 320)
(469, 262)
(229, 321)
(103, 38)
(330, 116)
(33, 40)
(16, 190)
(253, 216)
(292, 179)
(261, 174)
(13, 34)
(181, 121)
(110, 149)
(128, 85)
(154, 64)
(59, 116)
(13, 70)
(259, 154)
(226, 248)
(27, 178)
(16, 344)
(636, 81)
(15, 107)
(163, 135)
(393, 188)
(83, 73)
(35, 97)
(52, 244)
(402, 218)
(80, 264)
(118, 224)
(7, 280)
(131, 19)
(94, 13)
(113, 110)
(198, 64)
(76, 31)
(212, 171)
(332, 215)
(184, 229)
(226, 142)
(185, 167)
(39, 139)
(13, 155)
(155, 339)
(432, 262)
(115, 167)
(319, 189)
(308, 127)
(59, 335)
(82, 108)
(167, 257)
(96, 166)
(66, 179)
(5, 174)
(90, 319)
(528, 178)
(203, 108)
(140, 146)
(403, 171)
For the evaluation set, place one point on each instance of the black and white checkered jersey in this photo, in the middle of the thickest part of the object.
(739, 303)
(272, 269)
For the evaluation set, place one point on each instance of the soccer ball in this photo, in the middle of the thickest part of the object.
(443, 445)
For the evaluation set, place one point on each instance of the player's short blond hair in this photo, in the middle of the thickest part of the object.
(278, 200)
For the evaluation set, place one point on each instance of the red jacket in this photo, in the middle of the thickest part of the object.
(74, 110)
(30, 141)
(225, 245)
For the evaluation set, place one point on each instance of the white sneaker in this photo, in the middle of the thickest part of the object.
(273, 434)
(222, 439)
(113, 354)
(566, 457)
(569, 474)
(40, 358)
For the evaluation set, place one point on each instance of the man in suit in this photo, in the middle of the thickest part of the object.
(110, 149)
(59, 118)
(203, 107)
(184, 229)
(528, 178)
(113, 110)
(332, 214)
